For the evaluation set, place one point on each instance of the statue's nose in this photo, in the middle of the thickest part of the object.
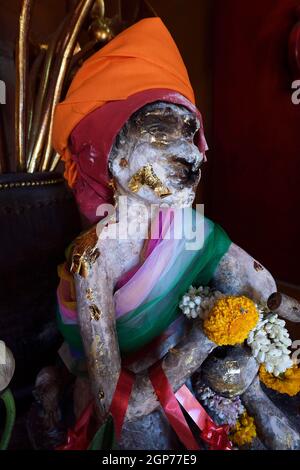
(191, 161)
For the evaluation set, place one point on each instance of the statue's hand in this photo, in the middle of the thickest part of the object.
(85, 252)
(285, 306)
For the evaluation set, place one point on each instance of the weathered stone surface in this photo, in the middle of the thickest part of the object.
(179, 364)
(274, 428)
(230, 370)
(285, 306)
(151, 432)
(240, 274)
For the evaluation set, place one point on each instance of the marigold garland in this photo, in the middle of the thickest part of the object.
(288, 383)
(230, 320)
(244, 431)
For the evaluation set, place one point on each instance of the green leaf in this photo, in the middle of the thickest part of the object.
(104, 438)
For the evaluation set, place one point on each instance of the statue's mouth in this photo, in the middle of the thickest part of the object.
(184, 172)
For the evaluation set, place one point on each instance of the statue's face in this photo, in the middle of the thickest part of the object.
(154, 157)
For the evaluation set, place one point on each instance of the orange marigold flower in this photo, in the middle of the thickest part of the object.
(230, 320)
(244, 431)
(288, 382)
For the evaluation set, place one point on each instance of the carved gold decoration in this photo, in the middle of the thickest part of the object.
(95, 312)
(98, 10)
(33, 80)
(85, 253)
(26, 184)
(257, 266)
(146, 176)
(55, 162)
(21, 83)
(90, 294)
(101, 27)
(112, 184)
(66, 52)
(46, 74)
(123, 163)
(42, 82)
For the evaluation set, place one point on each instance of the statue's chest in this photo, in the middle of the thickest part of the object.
(122, 255)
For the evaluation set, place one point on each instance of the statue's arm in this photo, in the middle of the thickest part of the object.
(96, 317)
(240, 274)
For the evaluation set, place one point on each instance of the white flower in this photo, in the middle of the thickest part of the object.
(269, 341)
(261, 356)
(198, 302)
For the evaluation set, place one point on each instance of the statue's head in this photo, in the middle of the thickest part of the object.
(155, 158)
(130, 116)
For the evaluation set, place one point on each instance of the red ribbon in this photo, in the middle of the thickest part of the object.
(121, 398)
(78, 438)
(171, 407)
(215, 436)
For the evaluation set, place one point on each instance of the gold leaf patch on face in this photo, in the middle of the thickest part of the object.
(123, 163)
(146, 176)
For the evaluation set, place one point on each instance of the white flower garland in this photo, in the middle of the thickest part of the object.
(199, 302)
(269, 342)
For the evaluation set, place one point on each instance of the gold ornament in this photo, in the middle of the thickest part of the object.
(95, 312)
(146, 176)
(85, 253)
(90, 294)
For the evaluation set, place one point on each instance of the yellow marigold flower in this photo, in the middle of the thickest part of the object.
(244, 431)
(230, 320)
(288, 383)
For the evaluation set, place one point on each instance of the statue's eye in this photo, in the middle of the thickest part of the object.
(190, 127)
(156, 129)
(157, 132)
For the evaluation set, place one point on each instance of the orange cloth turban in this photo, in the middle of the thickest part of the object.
(142, 57)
